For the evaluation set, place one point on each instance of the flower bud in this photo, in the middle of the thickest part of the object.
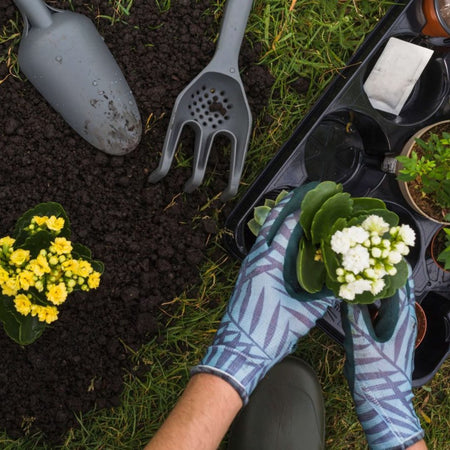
(53, 260)
(376, 240)
(376, 252)
(349, 278)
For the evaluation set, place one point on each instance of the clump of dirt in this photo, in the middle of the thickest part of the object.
(149, 236)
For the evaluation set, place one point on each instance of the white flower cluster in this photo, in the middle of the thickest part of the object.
(369, 252)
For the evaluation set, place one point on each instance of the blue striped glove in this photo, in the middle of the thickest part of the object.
(268, 312)
(379, 366)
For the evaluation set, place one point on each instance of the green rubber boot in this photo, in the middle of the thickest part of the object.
(285, 411)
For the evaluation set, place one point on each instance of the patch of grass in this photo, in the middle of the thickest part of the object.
(121, 10)
(9, 41)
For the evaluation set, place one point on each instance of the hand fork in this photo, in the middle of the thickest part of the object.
(214, 103)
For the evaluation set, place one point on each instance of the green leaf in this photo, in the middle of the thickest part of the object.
(332, 285)
(398, 280)
(339, 225)
(98, 266)
(330, 259)
(269, 203)
(21, 329)
(281, 196)
(261, 213)
(254, 226)
(80, 251)
(313, 201)
(30, 329)
(444, 257)
(340, 205)
(367, 204)
(389, 216)
(364, 299)
(310, 273)
(36, 242)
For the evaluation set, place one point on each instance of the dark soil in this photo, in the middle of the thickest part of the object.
(150, 238)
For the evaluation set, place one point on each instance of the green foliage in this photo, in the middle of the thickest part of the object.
(39, 267)
(338, 206)
(260, 213)
(310, 271)
(444, 256)
(313, 200)
(431, 170)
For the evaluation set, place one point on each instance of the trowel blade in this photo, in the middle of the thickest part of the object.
(71, 66)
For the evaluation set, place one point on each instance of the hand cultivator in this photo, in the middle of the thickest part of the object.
(214, 103)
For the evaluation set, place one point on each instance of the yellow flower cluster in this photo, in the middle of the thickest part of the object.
(49, 277)
(52, 223)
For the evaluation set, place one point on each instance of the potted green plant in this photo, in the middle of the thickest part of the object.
(440, 248)
(423, 172)
(39, 268)
(354, 246)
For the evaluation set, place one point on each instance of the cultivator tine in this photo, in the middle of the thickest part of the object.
(168, 151)
(201, 154)
(239, 145)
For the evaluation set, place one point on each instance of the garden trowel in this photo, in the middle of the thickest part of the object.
(65, 58)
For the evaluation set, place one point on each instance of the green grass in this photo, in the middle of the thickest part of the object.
(312, 39)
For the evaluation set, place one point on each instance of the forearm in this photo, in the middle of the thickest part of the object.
(201, 417)
(418, 446)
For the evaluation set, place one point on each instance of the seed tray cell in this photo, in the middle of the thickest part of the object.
(344, 139)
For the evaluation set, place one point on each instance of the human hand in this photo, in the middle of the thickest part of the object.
(379, 366)
(268, 312)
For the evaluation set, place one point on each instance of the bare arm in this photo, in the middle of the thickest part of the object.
(418, 446)
(201, 417)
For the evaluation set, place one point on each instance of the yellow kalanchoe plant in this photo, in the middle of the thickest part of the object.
(39, 268)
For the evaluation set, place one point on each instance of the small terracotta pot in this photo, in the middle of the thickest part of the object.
(435, 252)
(403, 185)
(421, 324)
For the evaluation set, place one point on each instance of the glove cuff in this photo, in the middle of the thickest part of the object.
(201, 368)
(403, 446)
(238, 369)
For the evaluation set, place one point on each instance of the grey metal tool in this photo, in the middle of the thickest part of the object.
(213, 103)
(65, 58)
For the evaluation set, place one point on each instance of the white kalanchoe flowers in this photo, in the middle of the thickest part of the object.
(356, 259)
(367, 253)
(375, 224)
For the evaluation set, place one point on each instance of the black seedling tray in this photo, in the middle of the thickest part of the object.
(344, 139)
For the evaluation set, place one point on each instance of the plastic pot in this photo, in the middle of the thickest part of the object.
(403, 185)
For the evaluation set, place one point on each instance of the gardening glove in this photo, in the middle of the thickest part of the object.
(379, 366)
(268, 312)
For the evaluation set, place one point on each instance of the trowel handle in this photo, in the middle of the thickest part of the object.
(232, 31)
(35, 12)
